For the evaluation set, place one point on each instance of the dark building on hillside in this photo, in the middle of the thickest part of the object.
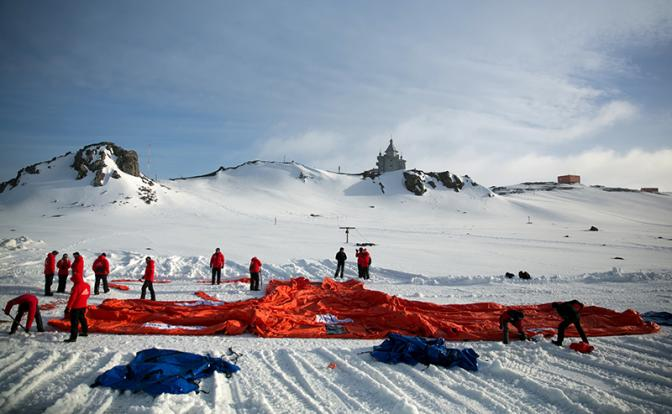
(649, 190)
(391, 160)
(569, 179)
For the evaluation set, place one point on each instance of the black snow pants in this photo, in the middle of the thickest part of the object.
(254, 280)
(61, 283)
(23, 308)
(97, 285)
(340, 267)
(78, 317)
(565, 323)
(148, 285)
(48, 280)
(218, 273)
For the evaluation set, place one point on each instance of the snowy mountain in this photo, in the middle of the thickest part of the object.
(288, 211)
(94, 175)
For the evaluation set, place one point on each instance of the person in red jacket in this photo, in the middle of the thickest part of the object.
(149, 279)
(77, 268)
(217, 264)
(255, 270)
(49, 271)
(76, 307)
(101, 268)
(63, 266)
(27, 303)
(360, 262)
(515, 318)
(364, 260)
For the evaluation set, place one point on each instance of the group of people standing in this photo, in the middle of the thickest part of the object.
(363, 263)
(217, 264)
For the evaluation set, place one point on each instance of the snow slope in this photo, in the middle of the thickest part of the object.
(442, 247)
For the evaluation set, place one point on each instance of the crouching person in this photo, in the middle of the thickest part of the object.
(515, 318)
(27, 303)
(76, 307)
(570, 313)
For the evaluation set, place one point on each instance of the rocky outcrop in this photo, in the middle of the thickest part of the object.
(416, 181)
(92, 159)
(448, 180)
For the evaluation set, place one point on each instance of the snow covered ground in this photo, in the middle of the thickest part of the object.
(442, 247)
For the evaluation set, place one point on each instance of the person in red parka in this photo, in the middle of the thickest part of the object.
(77, 267)
(363, 262)
(101, 268)
(360, 262)
(217, 264)
(49, 272)
(255, 270)
(27, 303)
(79, 296)
(63, 266)
(149, 279)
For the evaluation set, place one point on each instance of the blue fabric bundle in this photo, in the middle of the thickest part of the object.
(412, 349)
(158, 371)
(661, 318)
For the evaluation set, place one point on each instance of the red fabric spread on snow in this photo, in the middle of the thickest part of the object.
(289, 309)
(117, 286)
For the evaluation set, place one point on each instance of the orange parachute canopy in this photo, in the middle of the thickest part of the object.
(298, 308)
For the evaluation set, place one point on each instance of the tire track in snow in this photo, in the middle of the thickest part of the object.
(40, 374)
(499, 398)
(581, 389)
(10, 369)
(339, 395)
(83, 398)
(222, 398)
(283, 363)
(259, 365)
(578, 373)
(530, 384)
(419, 380)
(370, 379)
(631, 385)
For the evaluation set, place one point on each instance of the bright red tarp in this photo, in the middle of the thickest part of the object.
(290, 308)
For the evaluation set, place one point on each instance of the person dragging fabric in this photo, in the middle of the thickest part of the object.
(515, 318)
(76, 307)
(570, 313)
(27, 303)
(149, 279)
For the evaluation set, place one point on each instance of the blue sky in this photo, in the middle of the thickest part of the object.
(504, 92)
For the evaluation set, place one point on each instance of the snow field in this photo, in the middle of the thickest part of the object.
(293, 376)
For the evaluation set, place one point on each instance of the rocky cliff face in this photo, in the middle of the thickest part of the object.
(99, 162)
(416, 181)
(92, 159)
